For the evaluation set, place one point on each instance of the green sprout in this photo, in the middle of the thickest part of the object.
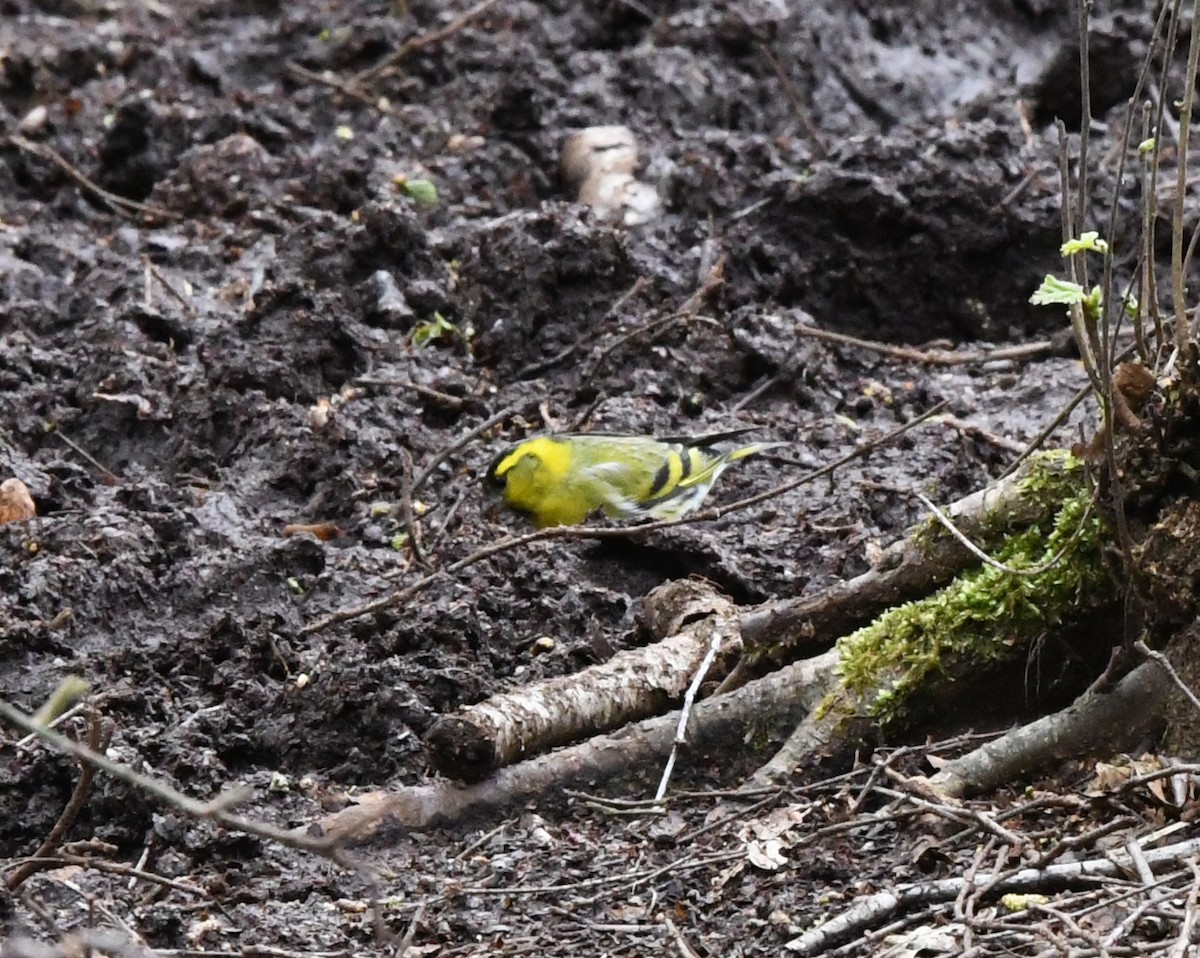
(425, 333)
(1084, 308)
(1089, 242)
(1055, 291)
(420, 190)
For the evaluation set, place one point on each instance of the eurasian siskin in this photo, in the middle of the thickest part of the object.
(561, 480)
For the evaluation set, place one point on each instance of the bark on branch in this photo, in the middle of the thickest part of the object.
(472, 743)
(770, 706)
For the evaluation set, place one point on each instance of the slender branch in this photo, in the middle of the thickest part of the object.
(120, 204)
(98, 737)
(416, 43)
(215, 810)
(1178, 289)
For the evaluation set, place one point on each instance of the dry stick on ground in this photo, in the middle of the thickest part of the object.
(777, 699)
(417, 43)
(98, 738)
(931, 357)
(972, 431)
(113, 868)
(471, 743)
(789, 91)
(464, 439)
(407, 518)
(345, 87)
(873, 909)
(574, 532)
(689, 311)
(539, 367)
(110, 477)
(1097, 720)
(182, 300)
(445, 399)
(119, 204)
(715, 646)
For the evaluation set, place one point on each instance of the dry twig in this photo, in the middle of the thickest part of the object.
(119, 204)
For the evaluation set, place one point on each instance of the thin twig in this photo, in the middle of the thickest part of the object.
(416, 43)
(134, 873)
(346, 87)
(685, 713)
(120, 204)
(978, 432)
(463, 440)
(171, 290)
(98, 736)
(789, 91)
(1165, 664)
(454, 402)
(653, 327)
(932, 357)
(215, 810)
(109, 476)
(537, 368)
(411, 529)
(986, 559)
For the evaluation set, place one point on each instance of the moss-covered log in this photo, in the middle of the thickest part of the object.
(1043, 576)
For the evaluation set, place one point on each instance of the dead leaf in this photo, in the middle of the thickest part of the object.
(16, 504)
(322, 530)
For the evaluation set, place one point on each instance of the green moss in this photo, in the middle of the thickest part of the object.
(985, 614)
(1053, 475)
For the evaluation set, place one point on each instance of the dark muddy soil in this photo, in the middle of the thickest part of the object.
(213, 290)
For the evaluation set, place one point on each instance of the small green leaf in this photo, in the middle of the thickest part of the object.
(425, 333)
(1089, 242)
(1060, 292)
(421, 190)
(1146, 146)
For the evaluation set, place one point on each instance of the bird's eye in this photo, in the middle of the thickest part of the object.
(494, 478)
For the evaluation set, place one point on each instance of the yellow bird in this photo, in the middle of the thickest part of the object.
(561, 480)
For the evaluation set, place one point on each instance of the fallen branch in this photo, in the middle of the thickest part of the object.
(1110, 721)
(636, 683)
(872, 909)
(769, 705)
(985, 616)
(923, 561)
